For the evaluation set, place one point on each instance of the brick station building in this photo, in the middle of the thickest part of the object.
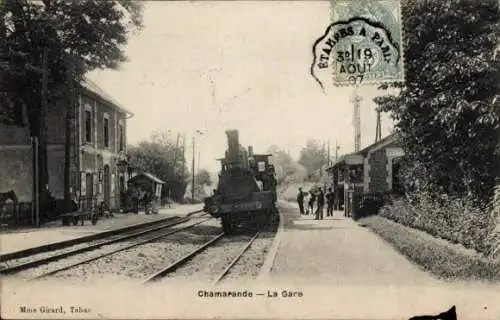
(374, 169)
(97, 153)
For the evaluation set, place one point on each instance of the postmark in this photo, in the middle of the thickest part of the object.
(362, 45)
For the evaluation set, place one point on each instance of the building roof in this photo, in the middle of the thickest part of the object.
(91, 87)
(363, 152)
(388, 138)
(148, 176)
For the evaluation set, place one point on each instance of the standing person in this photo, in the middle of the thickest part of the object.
(300, 200)
(330, 198)
(312, 199)
(320, 204)
(336, 200)
(133, 198)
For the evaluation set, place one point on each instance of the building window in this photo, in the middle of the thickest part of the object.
(121, 137)
(106, 132)
(261, 165)
(340, 173)
(88, 126)
(397, 186)
(356, 174)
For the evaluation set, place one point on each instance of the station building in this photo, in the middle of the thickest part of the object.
(97, 150)
(374, 169)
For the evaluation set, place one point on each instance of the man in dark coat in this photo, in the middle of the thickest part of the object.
(330, 198)
(133, 198)
(300, 200)
(320, 204)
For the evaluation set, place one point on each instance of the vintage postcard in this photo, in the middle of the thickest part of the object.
(250, 159)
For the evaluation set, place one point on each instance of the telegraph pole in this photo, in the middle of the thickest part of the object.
(35, 208)
(198, 164)
(176, 149)
(183, 154)
(68, 135)
(378, 130)
(328, 160)
(193, 163)
(356, 121)
(174, 164)
(336, 151)
(322, 160)
(36, 140)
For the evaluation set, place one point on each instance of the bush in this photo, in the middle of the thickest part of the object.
(454, 219)
(494, 237)
(371, 204)
(441, 258)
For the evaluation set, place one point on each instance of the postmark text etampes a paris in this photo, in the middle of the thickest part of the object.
(362, 45)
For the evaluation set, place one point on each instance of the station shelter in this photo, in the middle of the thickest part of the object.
(372, 170)
(149, 188)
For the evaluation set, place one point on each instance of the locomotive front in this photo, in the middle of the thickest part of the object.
(246, 191)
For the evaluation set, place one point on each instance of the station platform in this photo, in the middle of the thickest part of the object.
(346, 271)
(338, 251)
(21, 239)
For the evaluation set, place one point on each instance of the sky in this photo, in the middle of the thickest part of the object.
(213, 66)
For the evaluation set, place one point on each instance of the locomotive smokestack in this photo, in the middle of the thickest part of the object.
(233, 143)
(250, 151)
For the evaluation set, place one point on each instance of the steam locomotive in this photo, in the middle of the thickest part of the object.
(246, 191)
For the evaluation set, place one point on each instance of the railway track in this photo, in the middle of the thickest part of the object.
(151, 238)
(188, 257)
(223, 274)
(94, 237)
(37, 259)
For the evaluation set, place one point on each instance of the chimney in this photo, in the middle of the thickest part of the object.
(233, 144)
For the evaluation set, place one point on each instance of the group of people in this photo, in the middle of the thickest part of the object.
(135, 196)
(317, 197)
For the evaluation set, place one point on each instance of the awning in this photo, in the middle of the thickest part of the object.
(348, 159)
(358, 157)
(148, 176)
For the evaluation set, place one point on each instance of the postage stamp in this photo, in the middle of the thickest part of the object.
(362, 45)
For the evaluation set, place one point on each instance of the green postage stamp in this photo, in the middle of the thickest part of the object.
(362, 45)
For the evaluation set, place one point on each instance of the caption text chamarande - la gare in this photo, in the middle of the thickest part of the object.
(249, 294)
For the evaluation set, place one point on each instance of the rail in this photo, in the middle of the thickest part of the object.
(57, 256)
(183, 260)
(174, 266)
(223, 274)
(153, 238)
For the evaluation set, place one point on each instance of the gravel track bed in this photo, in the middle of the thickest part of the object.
(143, 260)
(250, 263)
(207, 265)
(51, 266)
(43, 255)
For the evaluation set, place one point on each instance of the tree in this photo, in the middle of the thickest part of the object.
(163, 158)
(203, 178)
(49, 35)
(203, 181)
(447, 111)
(312, 158)
(286, 168)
